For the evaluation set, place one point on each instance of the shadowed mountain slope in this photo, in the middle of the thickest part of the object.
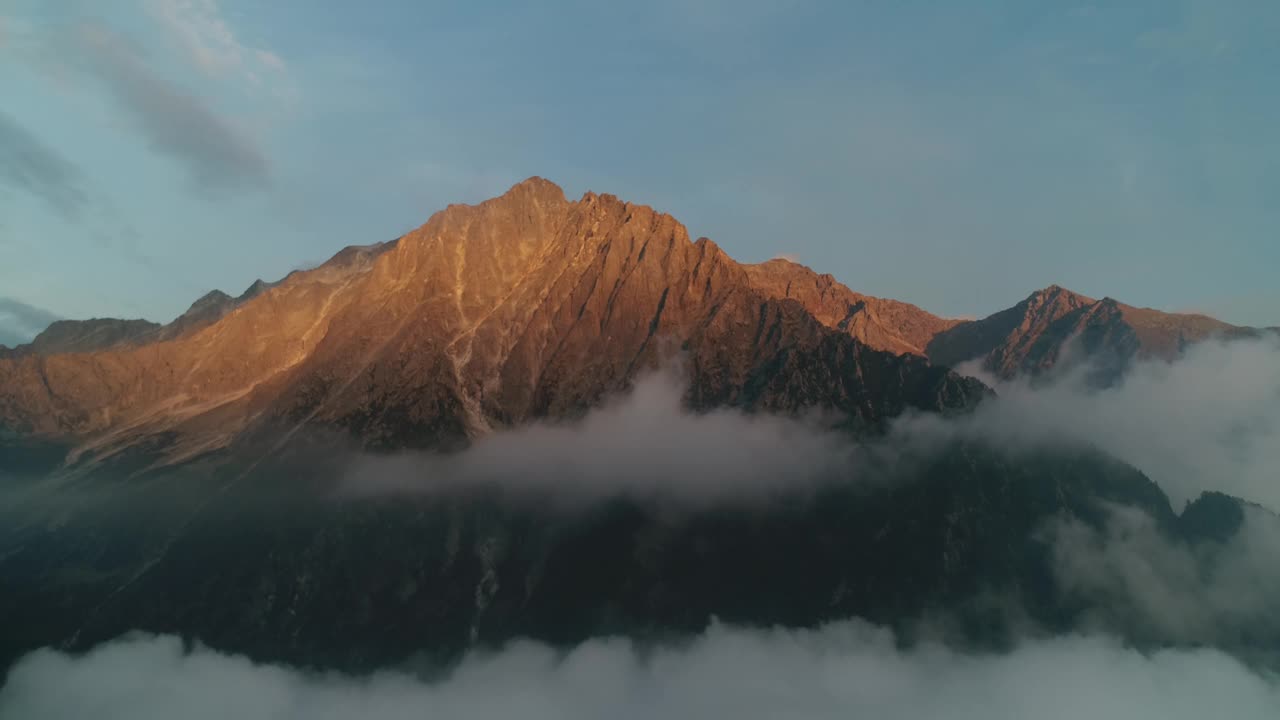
(1055, 325)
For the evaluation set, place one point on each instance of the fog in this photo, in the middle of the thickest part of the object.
(843, 670)
(1136, 578)
(1210, 421)
(640, 443)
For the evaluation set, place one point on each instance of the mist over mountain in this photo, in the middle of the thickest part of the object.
(1209, 421)
(557, 450)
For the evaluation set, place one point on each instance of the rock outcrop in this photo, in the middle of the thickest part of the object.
(73, 336)
(525, 306)
(1055, 326)
(880, 323)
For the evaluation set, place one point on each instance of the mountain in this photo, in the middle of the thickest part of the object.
(69, 336)
(97, 334)
(268, 561)
(525, 306)
(195, 480)
(204, 312)
(890, 325)
(1055, 325)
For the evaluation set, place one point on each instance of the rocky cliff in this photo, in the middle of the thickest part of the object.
(1055, 325)
(525, 306)
(880, 323)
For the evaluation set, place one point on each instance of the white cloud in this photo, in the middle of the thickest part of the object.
(1135, 578)
(841, 670)
(210, 42)
(640, 444)
(1210, 421)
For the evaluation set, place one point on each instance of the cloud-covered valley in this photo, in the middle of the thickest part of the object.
(641, 443)
(842, 670)
(1209, 422)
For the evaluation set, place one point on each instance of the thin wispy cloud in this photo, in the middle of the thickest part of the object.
(210, 42)
(30, 166)
(20, 322)
(214, 152)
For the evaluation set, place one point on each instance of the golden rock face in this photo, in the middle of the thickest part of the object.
(525, 306)
(883, 324)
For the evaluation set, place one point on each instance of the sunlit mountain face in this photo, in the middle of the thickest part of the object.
(551, 453)
(539, 426)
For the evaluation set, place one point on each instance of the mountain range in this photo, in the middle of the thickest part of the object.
(181, 478)
(532, 306)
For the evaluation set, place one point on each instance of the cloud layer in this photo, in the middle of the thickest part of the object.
(1210, 421)
(841, 670)
(643, 443)
(209, 40)
(1136, 578)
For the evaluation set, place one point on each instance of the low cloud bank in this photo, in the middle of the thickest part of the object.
(641, 443)
(1210, 421)
(1135, 577)
(839, 671)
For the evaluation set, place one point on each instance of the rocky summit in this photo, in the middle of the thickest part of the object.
(526, 306)
(1056, 324)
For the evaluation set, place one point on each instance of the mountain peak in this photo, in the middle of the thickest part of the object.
(257, 288)
(883, 324)
(536, 187)
(74, 336)
(1032, 335)
(1057, 292)
(520, 307)
(210, 299)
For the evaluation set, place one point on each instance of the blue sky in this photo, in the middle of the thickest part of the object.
(958, 158)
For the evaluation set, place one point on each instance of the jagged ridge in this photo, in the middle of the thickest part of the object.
(1054, 323)
(525, 306)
